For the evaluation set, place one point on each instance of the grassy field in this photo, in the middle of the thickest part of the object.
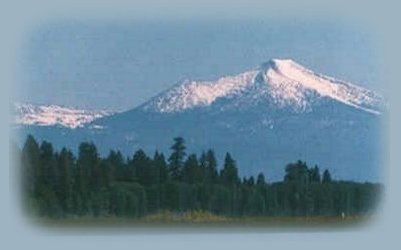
(198, 220)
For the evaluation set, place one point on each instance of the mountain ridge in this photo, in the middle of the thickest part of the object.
(287, 83)
(54, 115)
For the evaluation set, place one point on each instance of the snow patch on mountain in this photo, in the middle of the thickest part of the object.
(29, 114)
(191, 94)
(290, 82)
(284, 82)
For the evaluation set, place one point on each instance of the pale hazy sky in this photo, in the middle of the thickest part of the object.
(118, 66)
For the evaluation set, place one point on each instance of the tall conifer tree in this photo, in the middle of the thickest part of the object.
(176, 159)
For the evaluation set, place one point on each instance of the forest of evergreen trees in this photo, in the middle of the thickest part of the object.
(58, 184)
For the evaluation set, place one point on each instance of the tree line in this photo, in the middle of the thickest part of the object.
(58, 184)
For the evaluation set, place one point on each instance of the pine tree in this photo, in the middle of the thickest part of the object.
(65, 166)
(203, 166)
(192, 173)
(161, 167)
(251, 181)
(229, 173)
(261, 179)
(116, 167)
(143, 168)
(176, 159)
(297, 172)
(211, 167)
(48, 182)
(48, 167)
(30, 166)
(326, 177)
(314, 174)
(88, 174)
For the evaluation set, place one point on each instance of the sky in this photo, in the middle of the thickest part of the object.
(119, 65)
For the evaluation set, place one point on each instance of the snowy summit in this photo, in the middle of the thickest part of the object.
(282, 82)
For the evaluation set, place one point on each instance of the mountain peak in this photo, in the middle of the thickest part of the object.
(276, 63)
(51, 115)
(282, 81)
(291, 82)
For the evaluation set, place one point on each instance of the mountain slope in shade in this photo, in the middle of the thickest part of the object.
(53, 115)
(267, 117)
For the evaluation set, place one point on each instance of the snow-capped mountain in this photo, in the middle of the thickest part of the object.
(281, 82)
(266, 117)
(192, 94)
(52, 115)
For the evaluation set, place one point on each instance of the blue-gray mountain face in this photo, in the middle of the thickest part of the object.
(278, 113)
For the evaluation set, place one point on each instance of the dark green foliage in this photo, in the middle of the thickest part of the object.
(141, 168)
(57, 185)
(87, 176)
(176, 159)
(127, 199)
(314, 174)
(65, 164)
(229, 173)
(115, 167)
(30, 159)
(210, 165)
(192, 171)
(261, 179)
(160, 166)
(326, 176)
(297, 172)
